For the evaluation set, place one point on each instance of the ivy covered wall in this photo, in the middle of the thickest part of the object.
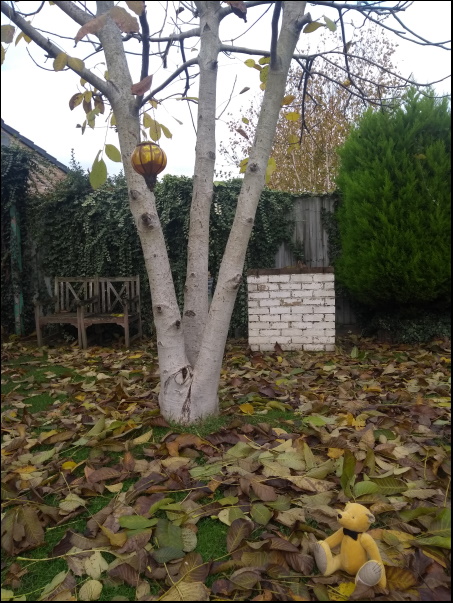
(75, 231)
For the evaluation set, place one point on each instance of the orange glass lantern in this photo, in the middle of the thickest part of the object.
(148, 160)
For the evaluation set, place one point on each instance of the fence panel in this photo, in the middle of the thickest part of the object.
(310, 233)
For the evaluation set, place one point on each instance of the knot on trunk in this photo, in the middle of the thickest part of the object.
(149, 220)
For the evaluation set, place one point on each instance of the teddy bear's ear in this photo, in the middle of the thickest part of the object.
(370, 517)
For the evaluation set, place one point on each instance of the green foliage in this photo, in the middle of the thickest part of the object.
(394, 219)
(410, 327)
(18, 165)
(81, 232)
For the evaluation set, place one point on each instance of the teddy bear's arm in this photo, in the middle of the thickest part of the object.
(334, 539)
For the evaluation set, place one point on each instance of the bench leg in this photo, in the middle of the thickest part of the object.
(126, 333)
(81, 330)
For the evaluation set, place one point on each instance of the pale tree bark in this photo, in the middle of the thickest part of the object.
(174, 367)
(196, 288)
(207, 368)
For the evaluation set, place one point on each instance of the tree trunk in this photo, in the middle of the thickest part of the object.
(196, 301)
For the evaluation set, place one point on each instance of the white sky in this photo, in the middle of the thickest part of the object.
(35, 102)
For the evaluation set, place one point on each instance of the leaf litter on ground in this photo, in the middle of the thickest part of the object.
(104, 500)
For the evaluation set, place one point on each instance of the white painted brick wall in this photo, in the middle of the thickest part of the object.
(297, 311)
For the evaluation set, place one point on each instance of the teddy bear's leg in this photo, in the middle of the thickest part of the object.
(325, 561)
(370, 573)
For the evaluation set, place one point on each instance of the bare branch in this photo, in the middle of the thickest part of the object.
(183, 54)
(33, 13)
(52, 50)
(192, 33)
(169, 80)
(145, 42)
(274, 39)
(263, 53)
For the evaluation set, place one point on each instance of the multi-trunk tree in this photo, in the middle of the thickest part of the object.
(191, 344)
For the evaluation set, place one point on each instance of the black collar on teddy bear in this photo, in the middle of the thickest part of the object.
(350, 533)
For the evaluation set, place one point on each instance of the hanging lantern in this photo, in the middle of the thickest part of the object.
(148, 160)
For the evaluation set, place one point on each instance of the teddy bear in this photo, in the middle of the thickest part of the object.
(359, 554)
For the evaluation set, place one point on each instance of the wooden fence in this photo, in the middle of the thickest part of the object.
(310, 233)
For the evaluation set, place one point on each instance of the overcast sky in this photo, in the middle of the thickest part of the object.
(35, 101)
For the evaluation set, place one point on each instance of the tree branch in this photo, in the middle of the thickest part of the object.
(274, 39)
(169, 80)
(192, 33)
(145, 43)
(52, 50)
(254, 51)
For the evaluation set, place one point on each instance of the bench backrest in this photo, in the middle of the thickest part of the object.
(110, 292)
(70, 290)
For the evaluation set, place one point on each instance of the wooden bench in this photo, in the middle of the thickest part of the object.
(87, 301)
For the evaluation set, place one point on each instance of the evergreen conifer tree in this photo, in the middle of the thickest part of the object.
(394, 219)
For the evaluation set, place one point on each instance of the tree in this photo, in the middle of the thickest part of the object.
(395, 214)
(191, 345)
(305, 146)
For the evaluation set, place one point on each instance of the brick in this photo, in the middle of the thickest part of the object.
(329, 317)
(298, 309)
(291, 332)
(279, 294)
(270, 332)
(328, 302)
(304, 293)
(309, 309)
(329, 347)
(253, 317)
(313, 317)
(301, 325)
(324, 310)
(279, 278)
(290, 286)
(324, 277)
(291, 347)
(313, 285)
(259, 295)
(301, 278)
(260, 310)
(279, 325)
(251, 288)
(301, 339)
(252, 304)
(258, 339)
(269, 302)
(280, 310)
(313, 347)
(257, 279)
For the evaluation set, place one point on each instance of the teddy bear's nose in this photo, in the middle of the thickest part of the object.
(339, 516)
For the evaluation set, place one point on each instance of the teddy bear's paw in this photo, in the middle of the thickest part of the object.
(320, 557)
(369, 574)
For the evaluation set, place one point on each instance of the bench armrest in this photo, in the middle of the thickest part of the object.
(86, 302)
(40, 302)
